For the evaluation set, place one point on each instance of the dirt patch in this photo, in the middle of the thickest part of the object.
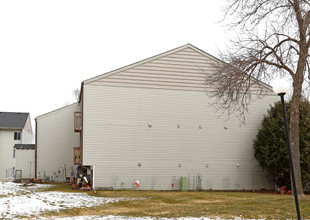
(201, 201)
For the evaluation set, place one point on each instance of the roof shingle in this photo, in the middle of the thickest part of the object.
(13, 119)
(24, 146)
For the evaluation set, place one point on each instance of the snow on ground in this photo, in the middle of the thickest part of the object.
(17, 201)
(9, 189)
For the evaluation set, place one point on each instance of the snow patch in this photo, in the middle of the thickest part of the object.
(17, 201)
(9, 188)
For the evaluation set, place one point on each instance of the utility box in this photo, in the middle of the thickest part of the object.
(183, 183)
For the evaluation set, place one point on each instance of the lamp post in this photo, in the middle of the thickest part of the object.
(281, 87)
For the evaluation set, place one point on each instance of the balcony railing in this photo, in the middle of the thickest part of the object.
(77, 157)
(77, 121)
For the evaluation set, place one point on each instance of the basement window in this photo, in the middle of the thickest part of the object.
(17, 135)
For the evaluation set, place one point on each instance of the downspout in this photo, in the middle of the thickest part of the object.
(82, 133)
(36, 152)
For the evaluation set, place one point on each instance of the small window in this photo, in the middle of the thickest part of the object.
(14, 152)
(17, 135)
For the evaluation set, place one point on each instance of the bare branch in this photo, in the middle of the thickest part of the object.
(76, 95)
(273, 41)
(256, 55)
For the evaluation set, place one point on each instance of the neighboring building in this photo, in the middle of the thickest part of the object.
(15, 129)
(55, 140)
(23, 155)
(151, 123)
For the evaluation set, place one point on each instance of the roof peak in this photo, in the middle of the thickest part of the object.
(188, 45)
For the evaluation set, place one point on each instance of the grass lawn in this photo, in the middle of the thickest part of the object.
(193, 204)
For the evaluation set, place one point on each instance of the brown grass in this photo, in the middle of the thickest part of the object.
(193, 204)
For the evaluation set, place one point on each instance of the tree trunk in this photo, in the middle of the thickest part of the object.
(294, 133)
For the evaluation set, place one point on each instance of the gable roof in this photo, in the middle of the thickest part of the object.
(13, 120)
(186, 46)
(183, 68)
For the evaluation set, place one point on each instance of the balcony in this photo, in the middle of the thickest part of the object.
(77, 157)
(77, 121)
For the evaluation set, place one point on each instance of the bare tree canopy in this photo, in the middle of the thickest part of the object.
(273, 41)
(76, 95)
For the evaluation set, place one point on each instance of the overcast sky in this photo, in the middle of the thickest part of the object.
(47, 48)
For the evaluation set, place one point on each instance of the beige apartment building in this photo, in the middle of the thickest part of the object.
(152, 123)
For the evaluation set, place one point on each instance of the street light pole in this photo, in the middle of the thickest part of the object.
(290, 155)
(281, 89)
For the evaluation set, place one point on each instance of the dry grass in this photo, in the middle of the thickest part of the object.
(193, 204)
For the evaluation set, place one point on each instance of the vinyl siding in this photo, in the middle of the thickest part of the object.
(7, 143)
(25, 162)
(27, 138)
(55, 141)
(185, 69)
(172, 133)
(28, 127)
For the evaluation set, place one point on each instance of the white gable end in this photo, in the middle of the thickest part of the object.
(184, 69)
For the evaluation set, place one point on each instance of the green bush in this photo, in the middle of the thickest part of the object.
(270, 144)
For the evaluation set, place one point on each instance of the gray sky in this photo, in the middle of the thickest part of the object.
(47, 48)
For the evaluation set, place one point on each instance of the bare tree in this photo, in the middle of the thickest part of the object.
(76, 97)
(76, 94)
(273, 41)
(66, 103)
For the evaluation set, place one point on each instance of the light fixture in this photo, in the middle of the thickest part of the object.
(281, 86)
